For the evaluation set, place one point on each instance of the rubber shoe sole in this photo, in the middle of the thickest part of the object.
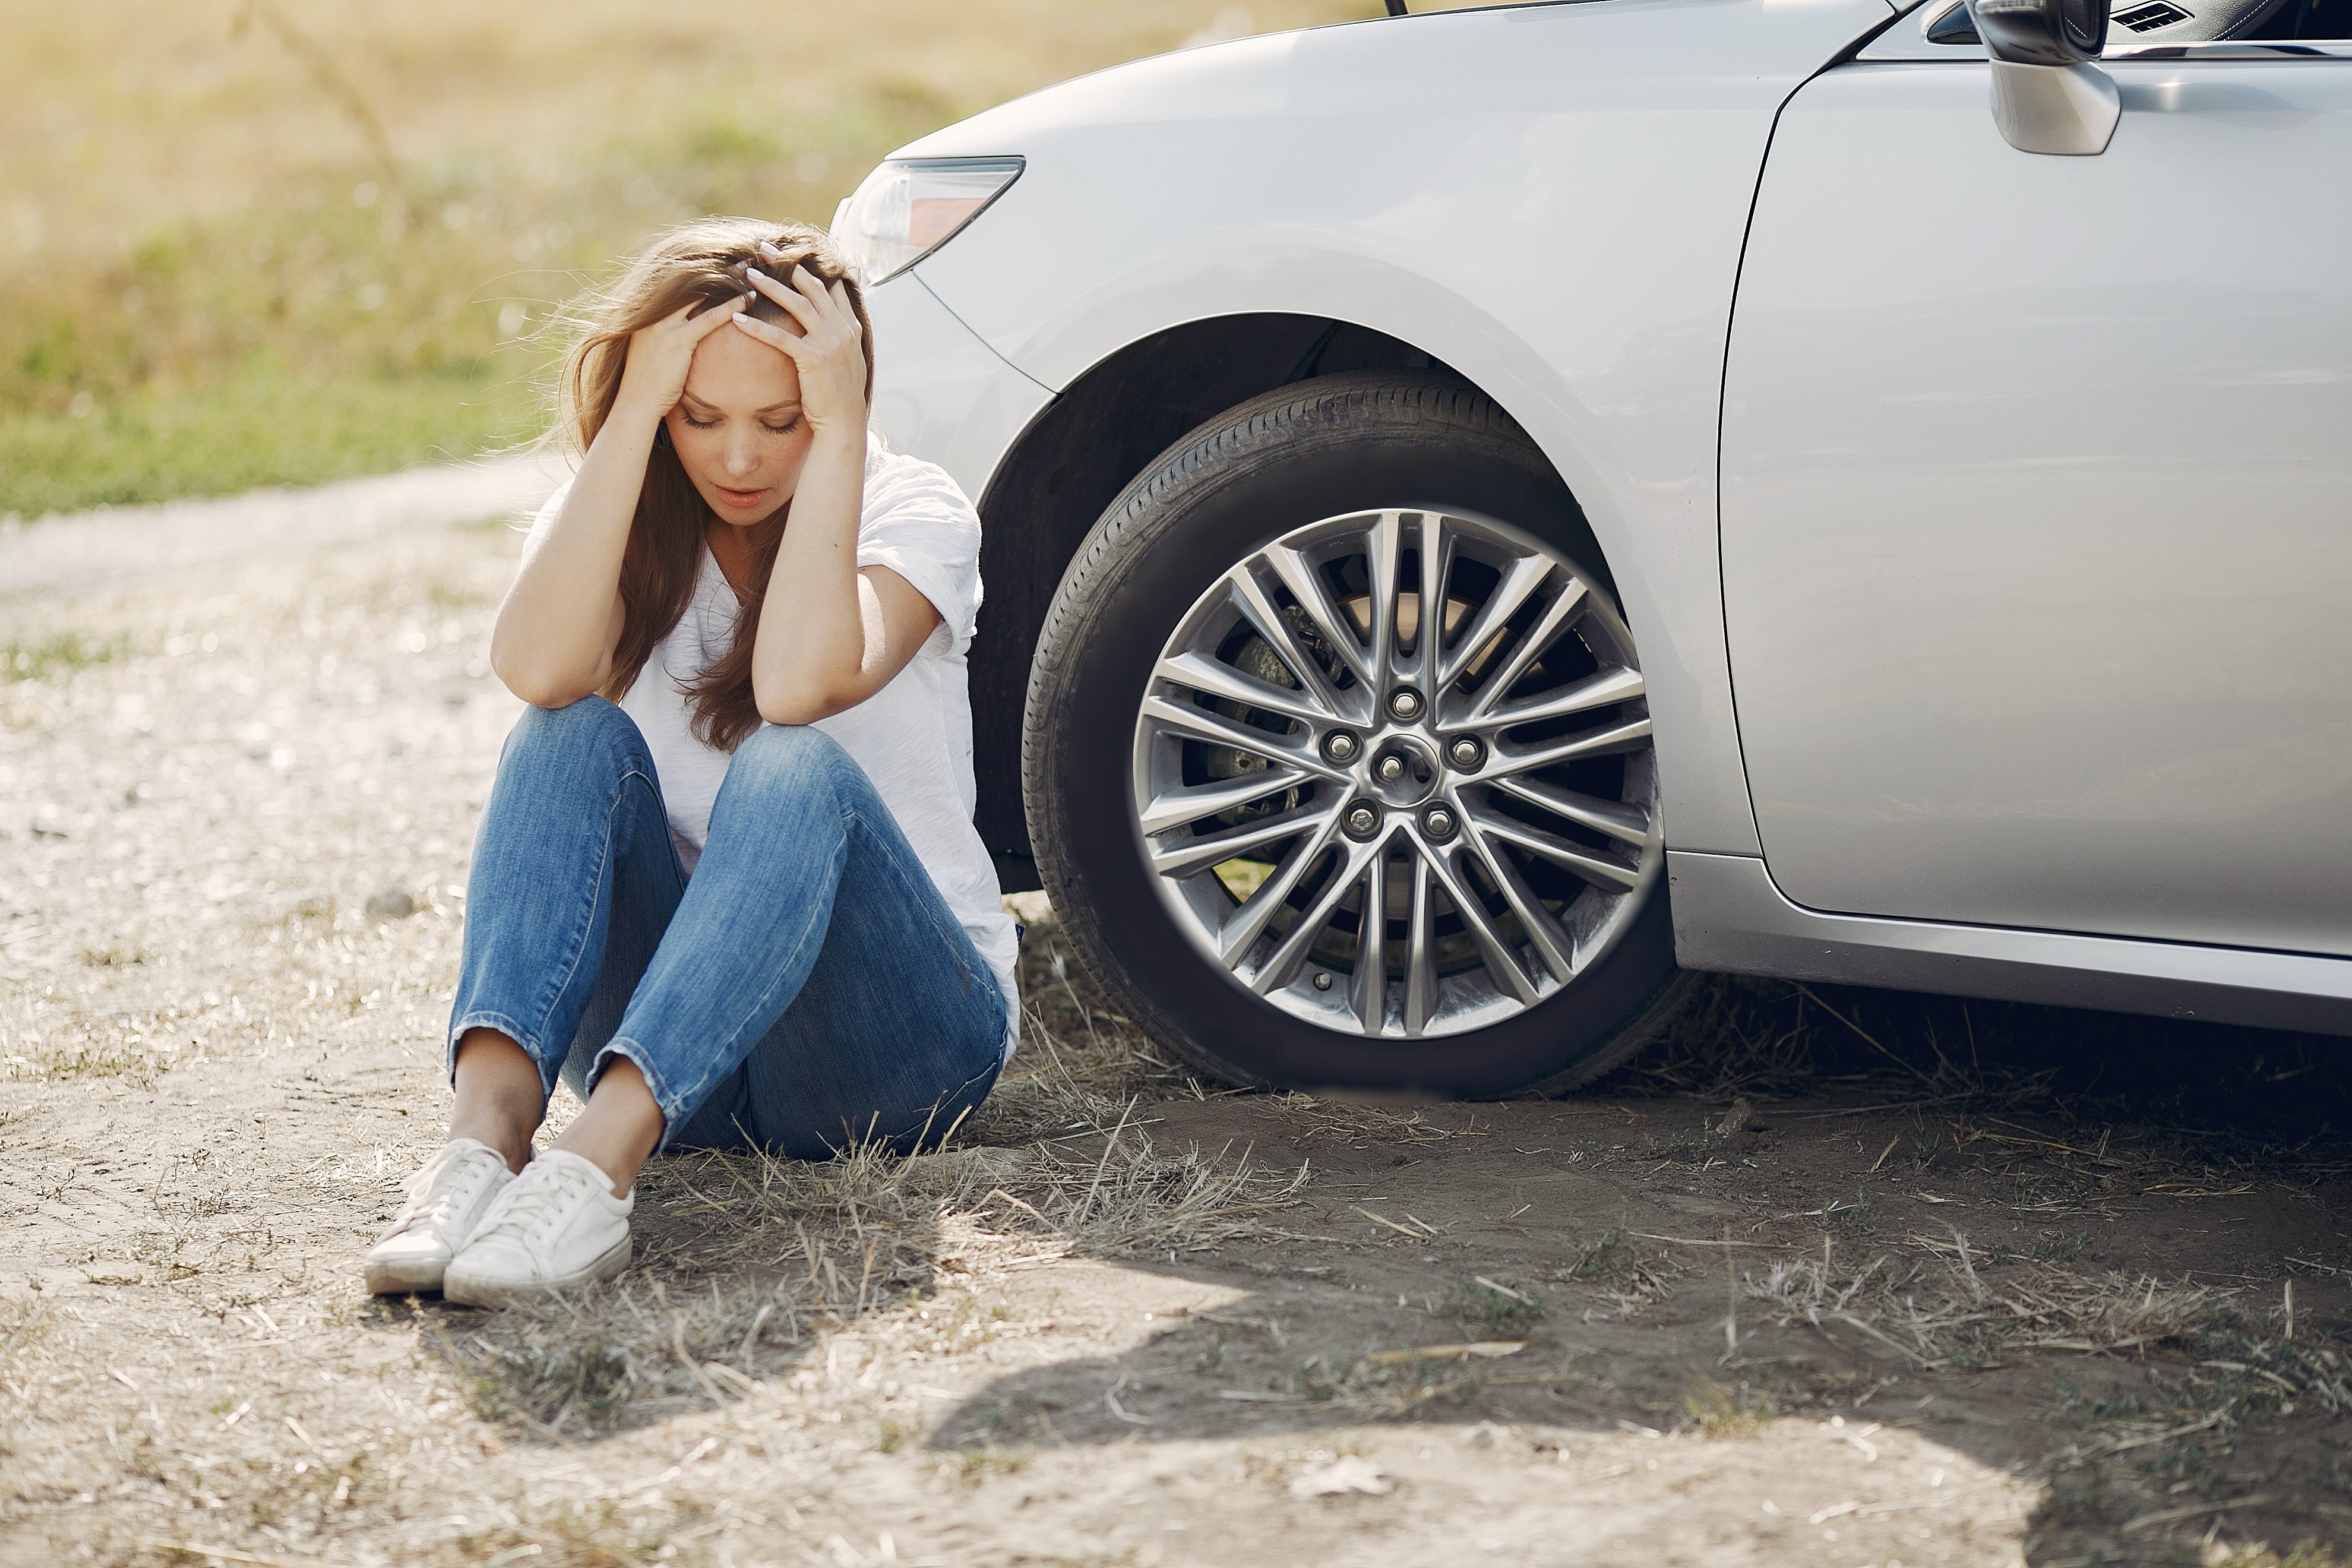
(405, 1276)
(456, 1286)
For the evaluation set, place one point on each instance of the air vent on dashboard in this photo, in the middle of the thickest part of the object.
(2146, 18)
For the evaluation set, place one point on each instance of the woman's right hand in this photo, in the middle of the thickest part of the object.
(561, 625)
(654, 378)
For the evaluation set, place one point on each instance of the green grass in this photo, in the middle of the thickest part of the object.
(289, 241)
(1492, 1308)
(61, 654)
(253, 427)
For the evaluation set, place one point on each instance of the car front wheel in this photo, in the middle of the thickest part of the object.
(1337, 759)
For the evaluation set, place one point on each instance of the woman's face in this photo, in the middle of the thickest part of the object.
(737, 429)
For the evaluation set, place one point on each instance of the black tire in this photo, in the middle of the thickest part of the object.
(1312, 450)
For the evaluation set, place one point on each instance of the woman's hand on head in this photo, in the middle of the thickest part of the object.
(660, 356)
(827, 348)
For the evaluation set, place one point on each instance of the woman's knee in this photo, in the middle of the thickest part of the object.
(790, 760)
(566, 736)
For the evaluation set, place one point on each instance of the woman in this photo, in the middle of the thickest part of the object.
(741, 628)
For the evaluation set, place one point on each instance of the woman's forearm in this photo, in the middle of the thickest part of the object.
(812, 642)
(553, 642)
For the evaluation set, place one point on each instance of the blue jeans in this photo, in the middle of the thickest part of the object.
(806, 988)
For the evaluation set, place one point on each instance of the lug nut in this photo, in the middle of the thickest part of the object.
(1341, 746)
(1437, 822)
(1361, 821)
(1391, 768)
(1466, 753)
(1322, 980)
(1405, 702)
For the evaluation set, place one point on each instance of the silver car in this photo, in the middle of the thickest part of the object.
(1487, 512)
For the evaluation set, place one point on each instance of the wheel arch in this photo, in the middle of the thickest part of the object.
(1074, 458)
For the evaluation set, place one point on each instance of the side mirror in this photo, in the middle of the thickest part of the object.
(2047, 94)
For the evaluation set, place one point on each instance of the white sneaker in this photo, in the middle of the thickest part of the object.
(446, 1200)
(555, 1228)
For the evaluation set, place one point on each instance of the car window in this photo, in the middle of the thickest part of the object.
(2311, 19)
(1947, 23)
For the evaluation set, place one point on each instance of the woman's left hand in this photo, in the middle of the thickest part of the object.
(828, 351)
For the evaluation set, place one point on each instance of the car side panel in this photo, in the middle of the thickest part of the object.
(1550, 200)
(2037, 507)
(1729, 917)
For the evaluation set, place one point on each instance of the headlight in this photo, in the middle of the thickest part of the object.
(907, 209)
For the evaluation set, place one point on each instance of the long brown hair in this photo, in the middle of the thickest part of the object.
(702, 263)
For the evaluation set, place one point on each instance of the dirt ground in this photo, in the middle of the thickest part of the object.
(1833, 1278)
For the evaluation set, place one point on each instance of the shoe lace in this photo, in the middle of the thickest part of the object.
(538, 1200)
(445, 1185)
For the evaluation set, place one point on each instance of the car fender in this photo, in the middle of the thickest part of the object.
(1549, 199)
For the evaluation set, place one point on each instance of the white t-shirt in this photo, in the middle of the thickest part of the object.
(913, 737)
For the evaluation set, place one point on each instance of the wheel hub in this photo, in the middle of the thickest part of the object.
(1402, 771)
(1393, 774)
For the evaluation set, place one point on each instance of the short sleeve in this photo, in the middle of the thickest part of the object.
(918, 522)
(543, 520)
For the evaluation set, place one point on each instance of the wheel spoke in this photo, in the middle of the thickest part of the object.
(1247, 923)
(1380, 567)
(1250, 596)
(1282, 967)
(1214, 678)
(1628, 735)
(1604, 873)
(1421, 952)
(1558, 616)
(1174, 808)
(1305, 581)
(1433, 551)
(1188, 856)
(1204, 724)
(1626, 824)
(1526, 575)
(1551, 944)
(1369, 992)
(1599, 689)
(1501, 962)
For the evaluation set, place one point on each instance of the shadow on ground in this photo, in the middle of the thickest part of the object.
(1935, 1257)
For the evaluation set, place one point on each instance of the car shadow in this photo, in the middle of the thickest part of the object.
(2036, 1250)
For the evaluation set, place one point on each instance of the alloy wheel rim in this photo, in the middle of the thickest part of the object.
(1392, 834)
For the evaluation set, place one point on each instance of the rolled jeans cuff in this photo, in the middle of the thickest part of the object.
(674, 1112)
(512, 1030)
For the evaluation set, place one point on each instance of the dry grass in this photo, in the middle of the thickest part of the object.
(1360, 1125)
(1941, 1316)
(1395, 1386)
(1740, 1035)
(1720, 1410)
(25, 1321)
(1942, 1312)
(2303, 1554)
(2184, 1093)
(747, 1262)
(1493, 1308)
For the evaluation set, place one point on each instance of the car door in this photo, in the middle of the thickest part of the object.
(2036, 497)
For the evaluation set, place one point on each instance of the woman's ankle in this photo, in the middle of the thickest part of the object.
(621, 1127)
(500, 1097)
(509, 1138)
